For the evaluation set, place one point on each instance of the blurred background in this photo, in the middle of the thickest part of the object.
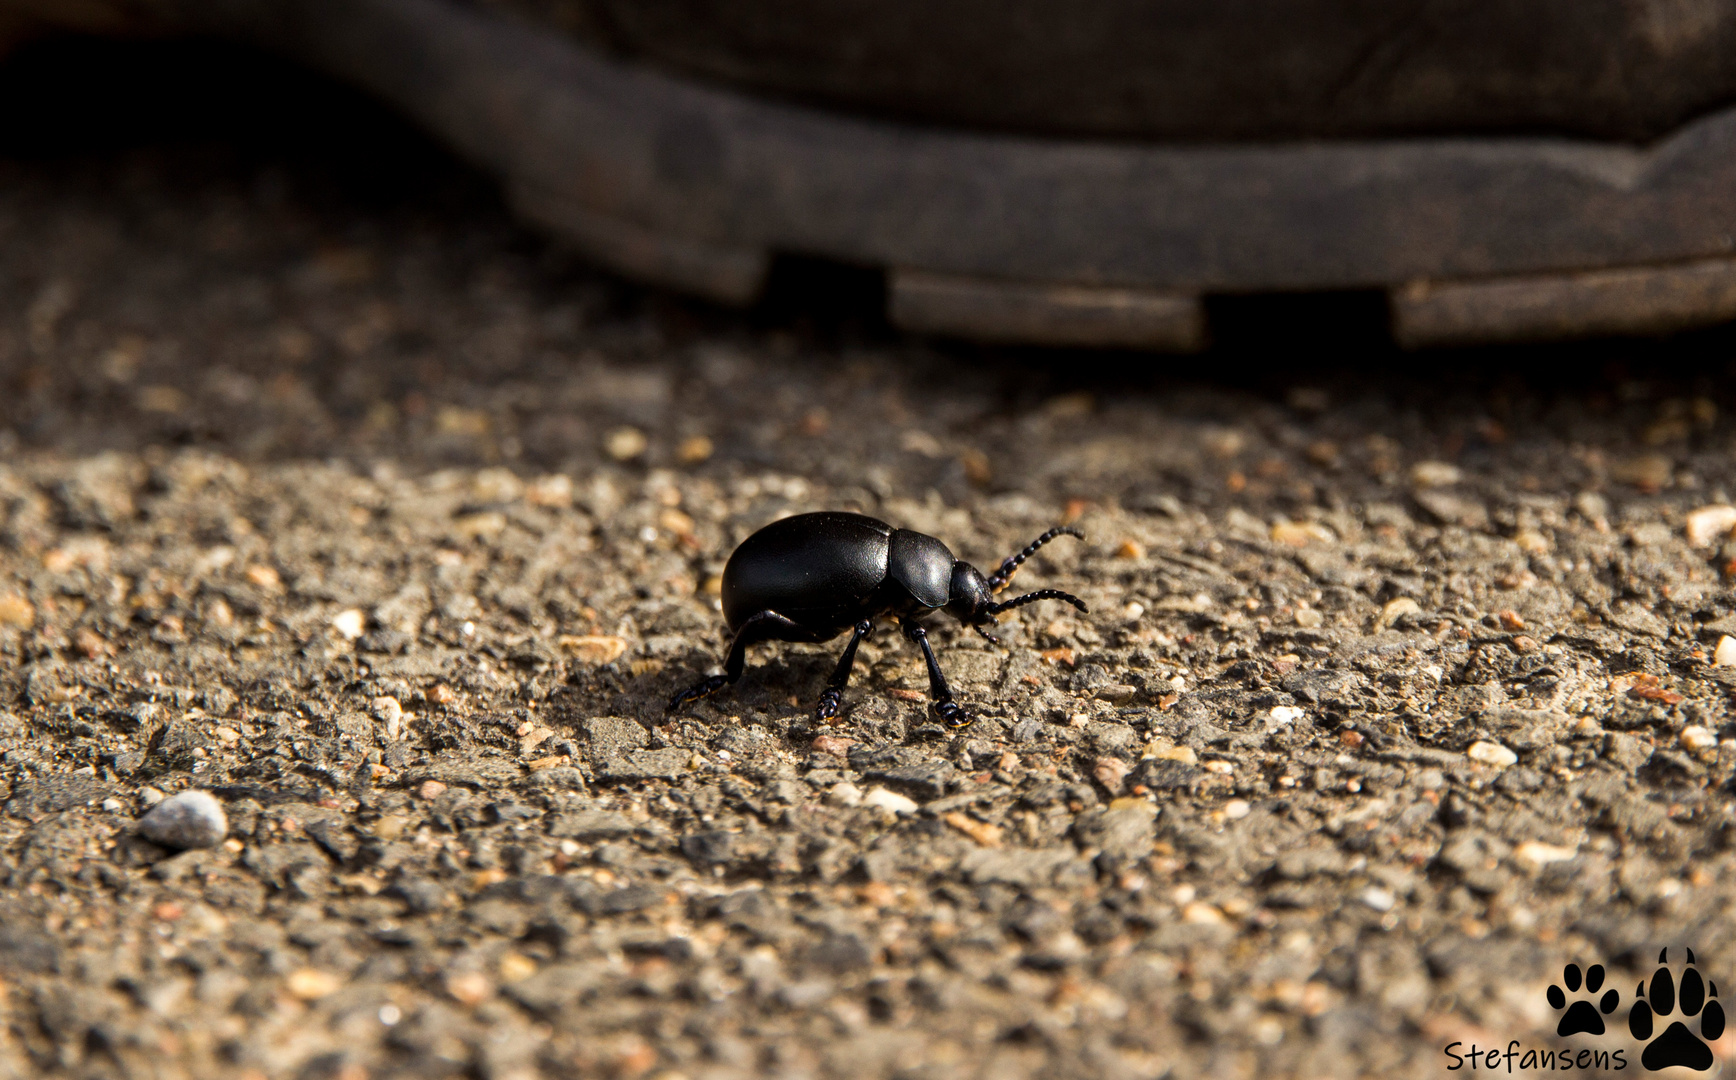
(197, 221)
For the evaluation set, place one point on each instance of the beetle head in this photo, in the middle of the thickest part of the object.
(968, 597)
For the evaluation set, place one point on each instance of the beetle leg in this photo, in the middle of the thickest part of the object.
(761, 626)
(954, 715)
(834, 695)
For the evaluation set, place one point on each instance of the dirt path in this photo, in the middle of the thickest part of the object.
(328, 491)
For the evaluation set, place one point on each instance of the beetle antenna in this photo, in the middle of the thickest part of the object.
(1033, 597)
(988, 637)
(1011, 565)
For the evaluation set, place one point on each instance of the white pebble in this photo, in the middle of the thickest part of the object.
(1491, 754)
(192, 819)
(625, 443)
(1709, 524)
(349, 623)
(1698, 738)
(843, 793)
(1378, 898)
(1237, 809)
(1282, 715)
(1538, 853)
(1435, 474)
(1725, 654)
(891, 800)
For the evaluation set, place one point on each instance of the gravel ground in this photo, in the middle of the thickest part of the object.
(328, 491)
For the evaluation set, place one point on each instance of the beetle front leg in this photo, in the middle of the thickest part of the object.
(954, 715)
(833, 698)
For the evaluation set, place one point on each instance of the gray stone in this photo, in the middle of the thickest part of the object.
(1162, 774)
(1527, 729)
(669, 764)
(555, 988)
(1127, 830)
(713, 848)
(1025, 867)
(192, 819)
(1027, 730)
(1626, 750)
(477, 772)
(1120, 740)
(1321, 684)
(1450, 509)
(1639, 619)
(926, 780)
(591, 826)
(614, 736)
(35, 799)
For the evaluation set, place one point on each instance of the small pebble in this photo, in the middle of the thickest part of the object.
(469, 987)
(1183, 754)
(1435, 474)
(516, 967)
(349, 623)
(431, 789)
(1710, 524)
(307, 984)
(694, 450)
(192, 819)
(831, 744)
(844, 793)
(890, 800)
(625, 443)
(1396, 609)
(1378, 898)
(1116, 693)
(1491, 754)
(1696, 737)
(1111, 772)
(1237, 809)
(1538, 853)
(596, 649)
(1725, 654)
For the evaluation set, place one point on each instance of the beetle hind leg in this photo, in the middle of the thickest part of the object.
(697, 691)
(761, 626)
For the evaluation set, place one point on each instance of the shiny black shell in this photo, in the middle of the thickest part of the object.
(825, 571)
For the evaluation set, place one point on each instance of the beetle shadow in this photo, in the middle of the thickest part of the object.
(767, 685)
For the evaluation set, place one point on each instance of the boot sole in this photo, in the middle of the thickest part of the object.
(1047, 241)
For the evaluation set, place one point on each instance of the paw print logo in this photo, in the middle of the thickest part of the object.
(1582, 1017)
(1677, 1045)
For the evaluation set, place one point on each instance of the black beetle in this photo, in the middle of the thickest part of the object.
(812, 576)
